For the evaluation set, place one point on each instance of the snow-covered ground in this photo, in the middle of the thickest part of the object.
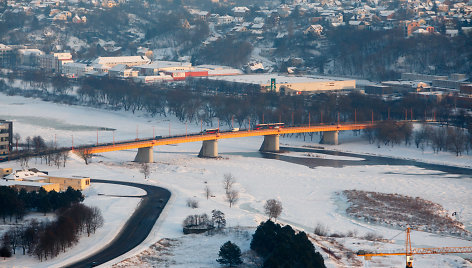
(308, 195)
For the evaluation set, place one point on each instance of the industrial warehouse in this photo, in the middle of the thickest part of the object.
(292, 85)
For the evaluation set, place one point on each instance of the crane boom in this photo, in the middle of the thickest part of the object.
(409, 251)
(443, 250)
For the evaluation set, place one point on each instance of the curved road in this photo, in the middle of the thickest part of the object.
(136, 229)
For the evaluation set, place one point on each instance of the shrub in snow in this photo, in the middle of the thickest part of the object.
(192, 203)
(321, 230)
(5, 252)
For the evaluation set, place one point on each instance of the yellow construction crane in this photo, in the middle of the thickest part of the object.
(409, 251)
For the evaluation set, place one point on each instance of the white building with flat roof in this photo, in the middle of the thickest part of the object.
(156, 67)
(75, 69)
(125, 60)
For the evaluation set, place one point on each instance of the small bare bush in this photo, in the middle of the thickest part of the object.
(337, 235)
(192, 203)
(321, 230)
(373, 237)
(351, 233)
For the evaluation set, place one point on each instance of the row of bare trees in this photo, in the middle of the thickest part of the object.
(37, 148)
(52, 157)
(203, 101)
(47, 239)
(443, 138)
(438, 137)
(390, 132)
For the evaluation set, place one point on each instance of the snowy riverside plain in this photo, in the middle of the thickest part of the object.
(309, 195)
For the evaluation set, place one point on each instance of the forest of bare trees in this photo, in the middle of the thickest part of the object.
(47, 239)
(15, 204)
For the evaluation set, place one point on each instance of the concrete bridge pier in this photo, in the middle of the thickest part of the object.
(145, 155)
(270, 144)
(330, 137)
(209, 149)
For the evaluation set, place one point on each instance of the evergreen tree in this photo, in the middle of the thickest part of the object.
(229, 254)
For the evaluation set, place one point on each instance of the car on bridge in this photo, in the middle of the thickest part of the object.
(211, 131)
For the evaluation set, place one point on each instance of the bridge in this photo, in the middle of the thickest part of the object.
(210, 141)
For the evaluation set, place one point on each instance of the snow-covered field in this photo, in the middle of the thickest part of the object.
(308, 195)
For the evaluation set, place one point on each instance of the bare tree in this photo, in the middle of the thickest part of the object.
(145, 170)
(85, 154)
(17, 138)
(273, 208)
(232, 197)
(28, 143)
(56, 158)
(207, 192)
(228, 182)
(456, 140)
(24, 161)
(196, 220)
(65, 157)
(96, 220)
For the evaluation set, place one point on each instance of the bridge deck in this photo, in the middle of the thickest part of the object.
(118, 146)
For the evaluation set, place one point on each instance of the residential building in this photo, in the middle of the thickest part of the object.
(240, 11)
(53, 62)
(6, 138)
(6, 56)
(29, 56)
(316, 29)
